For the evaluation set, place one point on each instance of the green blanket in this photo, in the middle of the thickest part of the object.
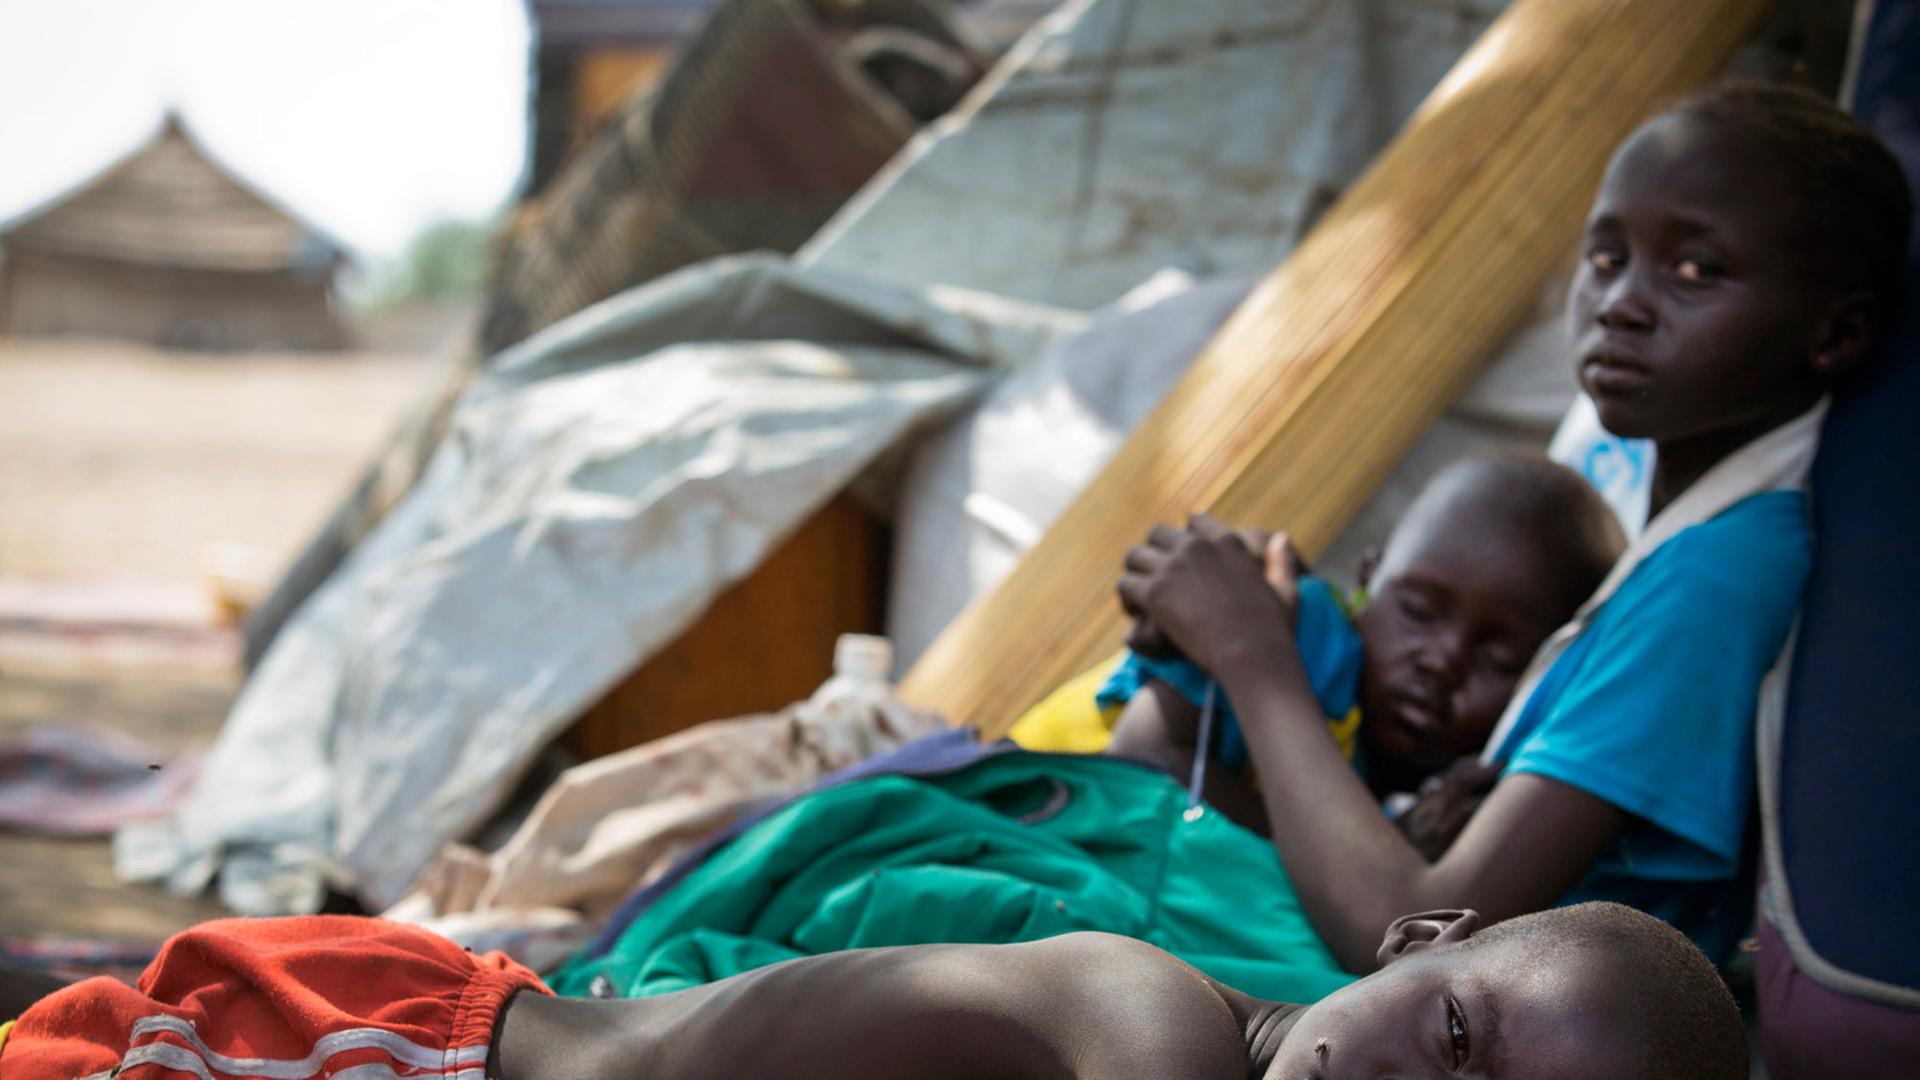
(1013, 848)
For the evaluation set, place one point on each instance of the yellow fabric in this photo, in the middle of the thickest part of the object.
(1346, 731)
(1069, 720)
(5, 1030)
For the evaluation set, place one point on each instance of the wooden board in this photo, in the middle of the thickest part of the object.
(607, 77)
(764, 643)
(1334, 366)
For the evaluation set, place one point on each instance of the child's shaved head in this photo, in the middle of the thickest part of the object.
(1595, 990)
(1850, 200)
(1548, 507)
(1689, 1022)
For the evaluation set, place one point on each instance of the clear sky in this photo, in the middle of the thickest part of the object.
(371, 118)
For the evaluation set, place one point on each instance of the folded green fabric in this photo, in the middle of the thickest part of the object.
(1013, 848)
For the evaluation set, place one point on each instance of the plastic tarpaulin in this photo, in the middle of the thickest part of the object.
(1122, 138)
(600, 484)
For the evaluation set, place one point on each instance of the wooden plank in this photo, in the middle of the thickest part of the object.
(607, 76)
(1334, 366)
(765, 642)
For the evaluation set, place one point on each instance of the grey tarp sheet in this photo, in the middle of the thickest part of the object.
(600, 484)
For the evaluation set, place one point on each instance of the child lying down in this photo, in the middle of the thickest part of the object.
(1594, 990)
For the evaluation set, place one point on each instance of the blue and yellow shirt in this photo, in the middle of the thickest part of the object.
(1079, 717)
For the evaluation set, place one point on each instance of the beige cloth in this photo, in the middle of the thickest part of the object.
(610, 826)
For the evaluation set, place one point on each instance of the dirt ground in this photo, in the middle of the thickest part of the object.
(122, 471)
(130, 464)
(58, 886)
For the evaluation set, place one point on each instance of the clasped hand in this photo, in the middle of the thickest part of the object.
(1222, 598)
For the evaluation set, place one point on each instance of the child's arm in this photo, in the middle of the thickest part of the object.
(1529, 843)
(1160, 727)
(1446, 801)
(1082, 1005)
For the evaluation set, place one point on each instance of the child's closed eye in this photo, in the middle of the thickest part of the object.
(1504, 662)
(1416, 608)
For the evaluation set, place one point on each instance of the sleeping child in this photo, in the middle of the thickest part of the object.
(1494, 555)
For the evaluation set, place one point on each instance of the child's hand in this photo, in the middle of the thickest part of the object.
(1144, 637)
(1283, 568)
(1283, 563)
(1211, 597)
(1447, 799)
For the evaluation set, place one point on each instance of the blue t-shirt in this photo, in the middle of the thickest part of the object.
(1329, 650)
(1652, 709)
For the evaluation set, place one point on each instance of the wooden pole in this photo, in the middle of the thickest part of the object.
(1336, 364)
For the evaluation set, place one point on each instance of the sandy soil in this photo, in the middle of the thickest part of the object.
(124, 463)
(58, 886)
(121, 470)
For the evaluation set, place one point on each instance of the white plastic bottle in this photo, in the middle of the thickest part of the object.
(861, 663)
(855, 713)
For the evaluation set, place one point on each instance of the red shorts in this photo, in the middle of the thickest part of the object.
(315, 996)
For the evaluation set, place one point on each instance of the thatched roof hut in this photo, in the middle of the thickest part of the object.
(166, 246)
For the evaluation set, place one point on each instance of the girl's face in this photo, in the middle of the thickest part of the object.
(1692, 313)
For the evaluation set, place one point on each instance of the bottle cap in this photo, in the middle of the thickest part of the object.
(863, 656)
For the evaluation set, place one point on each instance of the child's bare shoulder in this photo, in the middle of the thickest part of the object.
(1146, 1011)
(1079, 1005)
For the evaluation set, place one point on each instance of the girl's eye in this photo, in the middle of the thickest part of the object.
(1695, 272)
(1415, 608)
(1605, 260)
(1457, 1042)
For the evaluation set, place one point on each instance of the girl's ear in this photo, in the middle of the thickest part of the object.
(1412, 933)
(1846, 335)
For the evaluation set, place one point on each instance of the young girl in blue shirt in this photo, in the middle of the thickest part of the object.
(1738, 259)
